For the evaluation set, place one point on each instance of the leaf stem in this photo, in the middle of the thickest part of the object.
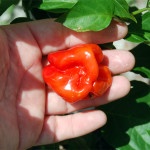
(140, 11)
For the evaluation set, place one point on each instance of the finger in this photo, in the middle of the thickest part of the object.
(118, 61)
(58, 128)
(52, 36)
(56, 104)
(120, 84)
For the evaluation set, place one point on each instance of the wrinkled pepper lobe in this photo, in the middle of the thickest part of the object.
(77, 73)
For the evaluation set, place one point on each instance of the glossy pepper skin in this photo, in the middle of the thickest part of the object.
(77, 73)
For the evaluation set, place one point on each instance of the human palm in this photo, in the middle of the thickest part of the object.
(29, 110)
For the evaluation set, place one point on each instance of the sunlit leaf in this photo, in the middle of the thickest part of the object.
(128, 124)
(135, 38)
(140, 32)
(122, 10)
(57, 5)
(4, 4)
(89, 15)
(146, 21)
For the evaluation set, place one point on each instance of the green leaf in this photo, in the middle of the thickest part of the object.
(122, 10)
(140, 134)
(81, 15)
(139, 138)
(89, 15)
(130, 2)
(148, 3)
(147, 35)
(140, 32)
(136, 38)
(129, 118)
(128, 125)
(144, 70)
(146, 21)
(4, 4)
(57, 5)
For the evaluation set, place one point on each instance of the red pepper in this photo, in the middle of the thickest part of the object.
(77, 73)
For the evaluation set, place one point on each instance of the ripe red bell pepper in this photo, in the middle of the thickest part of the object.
(77, 73)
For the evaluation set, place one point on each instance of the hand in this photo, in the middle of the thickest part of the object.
(29, 111)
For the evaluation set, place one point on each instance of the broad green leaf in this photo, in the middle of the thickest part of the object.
(136, 38)
(139, 138)
(89, 15)
(130, 2)
(144, 70)
(31, 9)
(140, 134)
(140, 32)
(146, 21)
(147, 36)
(122, 10)
(57, 5)
(131, 113)
(4, 4)
(128, 125)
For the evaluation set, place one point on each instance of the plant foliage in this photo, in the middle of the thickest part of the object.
(128, 126)
(4, 4)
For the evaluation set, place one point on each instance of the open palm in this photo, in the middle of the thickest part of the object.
(32, 114)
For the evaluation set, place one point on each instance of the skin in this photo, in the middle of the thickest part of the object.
(30, 113)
